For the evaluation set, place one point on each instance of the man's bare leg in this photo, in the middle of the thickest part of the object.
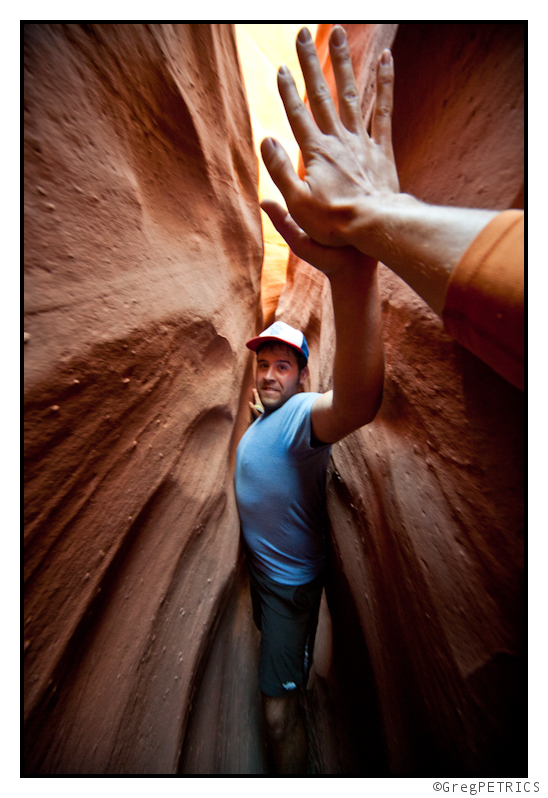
(286, 734)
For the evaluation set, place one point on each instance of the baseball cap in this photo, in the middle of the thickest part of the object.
(280, 331)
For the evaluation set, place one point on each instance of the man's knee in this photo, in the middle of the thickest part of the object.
(281, 715)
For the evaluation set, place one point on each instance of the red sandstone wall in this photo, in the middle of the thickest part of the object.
(143, 253)
(426, 503)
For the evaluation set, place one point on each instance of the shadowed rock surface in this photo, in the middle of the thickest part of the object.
(143, 254)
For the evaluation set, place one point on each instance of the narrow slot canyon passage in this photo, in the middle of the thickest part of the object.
(148, 265)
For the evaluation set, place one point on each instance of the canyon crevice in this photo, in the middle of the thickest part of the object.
(143, 254)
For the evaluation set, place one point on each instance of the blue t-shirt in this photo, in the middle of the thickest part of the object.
(280, 491)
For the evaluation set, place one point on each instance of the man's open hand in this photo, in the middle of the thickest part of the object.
(329, 260)
(347, 172)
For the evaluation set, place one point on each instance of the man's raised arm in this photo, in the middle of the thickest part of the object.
(358, 368)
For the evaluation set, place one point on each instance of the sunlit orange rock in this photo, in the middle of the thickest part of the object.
(262, 48)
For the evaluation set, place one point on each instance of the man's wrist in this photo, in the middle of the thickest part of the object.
(379, 223)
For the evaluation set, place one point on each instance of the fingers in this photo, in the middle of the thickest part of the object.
(381, 122)
(256, 406)
(298, 115)
(317, 91)
(347, 92)
(302, 245)
(281, 171)
(286, 226)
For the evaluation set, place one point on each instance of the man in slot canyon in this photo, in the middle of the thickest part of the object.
(280, 488)
(280, 480)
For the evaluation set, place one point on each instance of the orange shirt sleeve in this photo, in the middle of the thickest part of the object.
(484, 304)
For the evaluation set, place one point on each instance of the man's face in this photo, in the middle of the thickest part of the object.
(278, 376)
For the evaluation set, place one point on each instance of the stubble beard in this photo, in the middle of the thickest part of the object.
(272, 401)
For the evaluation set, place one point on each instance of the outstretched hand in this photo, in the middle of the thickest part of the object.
(348, 172)
(329, 260)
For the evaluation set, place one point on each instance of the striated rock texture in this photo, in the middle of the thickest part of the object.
(143, 252)
(426, 503)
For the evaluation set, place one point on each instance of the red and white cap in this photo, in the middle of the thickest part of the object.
(282, 332)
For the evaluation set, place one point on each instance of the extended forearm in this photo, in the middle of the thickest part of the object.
(419, 242)
(358, 368)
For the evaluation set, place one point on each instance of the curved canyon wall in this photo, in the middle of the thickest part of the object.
(143, 251)
(426, 503)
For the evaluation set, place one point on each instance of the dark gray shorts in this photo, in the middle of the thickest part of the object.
(287, 616)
